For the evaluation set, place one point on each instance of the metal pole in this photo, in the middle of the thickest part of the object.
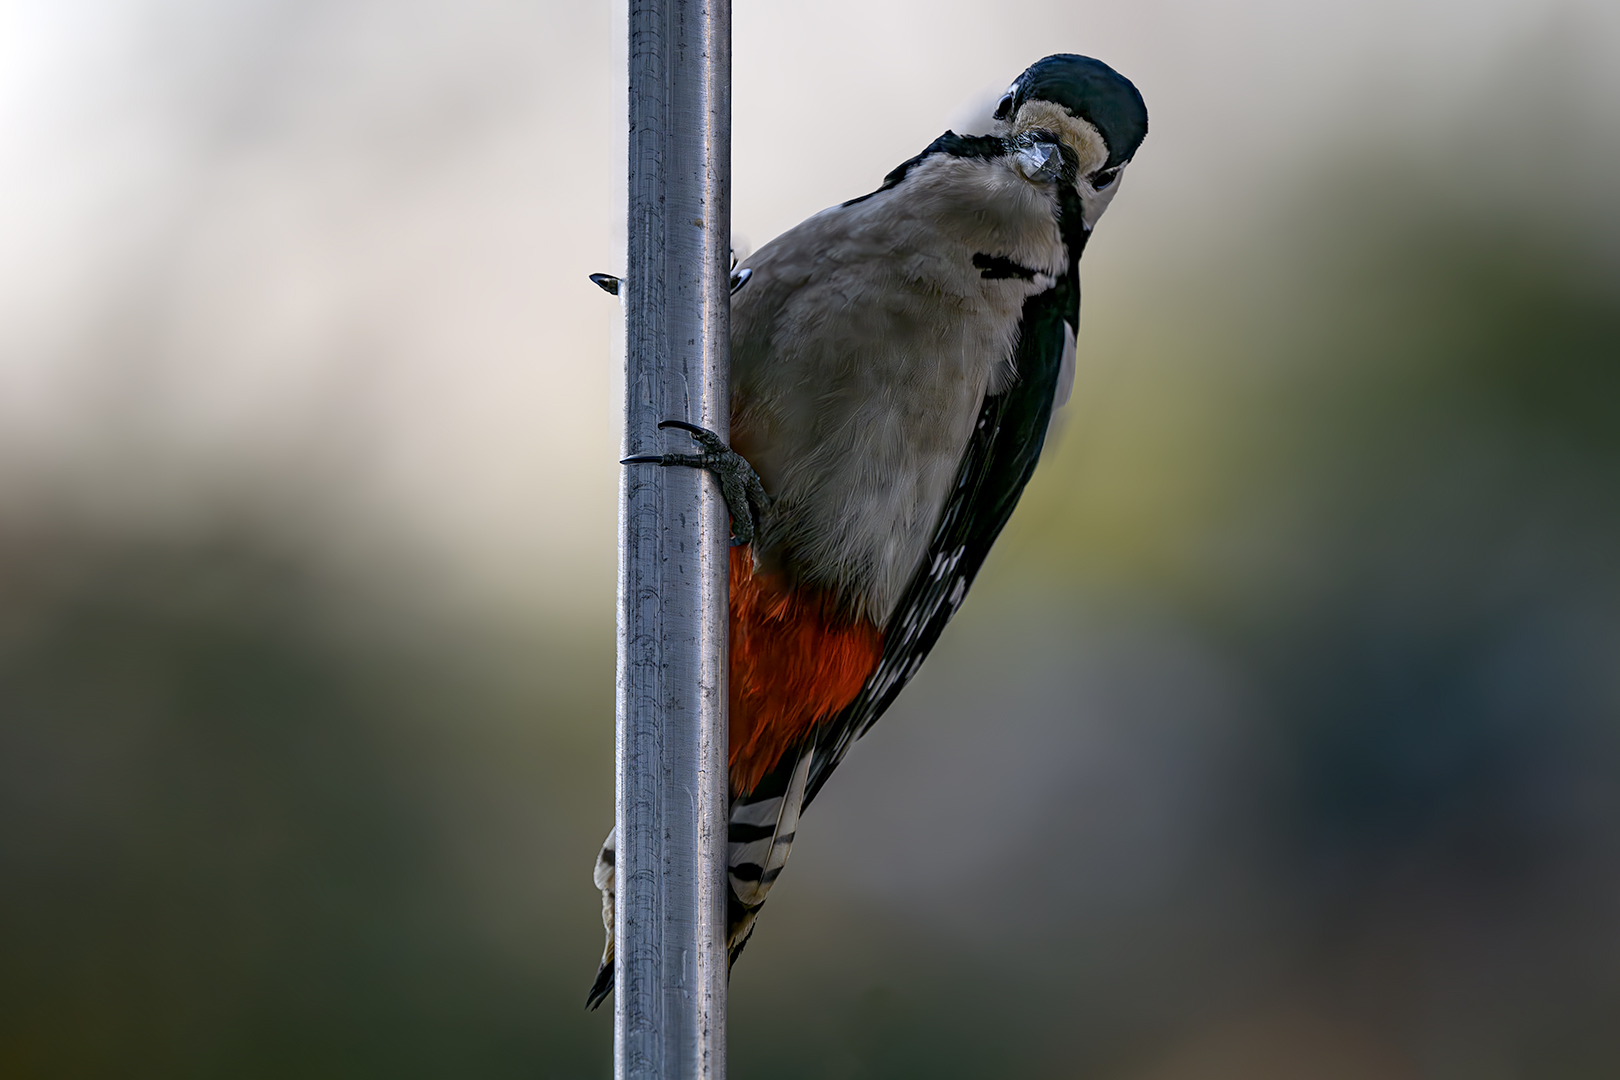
(669, 1002)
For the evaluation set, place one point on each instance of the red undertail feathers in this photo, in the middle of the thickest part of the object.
(796, 659)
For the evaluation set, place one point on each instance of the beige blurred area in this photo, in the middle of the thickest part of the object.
(1279, 738)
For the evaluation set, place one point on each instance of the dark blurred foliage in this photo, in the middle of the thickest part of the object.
(1281, 737)
(251, 829)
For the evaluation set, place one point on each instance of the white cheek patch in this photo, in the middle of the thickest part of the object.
(1094, 203)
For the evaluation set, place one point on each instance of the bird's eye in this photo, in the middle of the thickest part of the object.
(1004, 106)
(1103, 177)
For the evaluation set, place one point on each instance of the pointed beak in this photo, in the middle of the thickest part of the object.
(1039, 161)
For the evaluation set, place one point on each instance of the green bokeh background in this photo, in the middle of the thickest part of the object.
(1280, 737)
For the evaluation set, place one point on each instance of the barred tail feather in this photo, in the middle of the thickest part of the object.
(762, 826)
(760, 834)
(603, 875)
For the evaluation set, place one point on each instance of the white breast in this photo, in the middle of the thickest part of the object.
(862, 348)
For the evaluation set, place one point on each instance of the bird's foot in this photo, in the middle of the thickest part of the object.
(739, 484)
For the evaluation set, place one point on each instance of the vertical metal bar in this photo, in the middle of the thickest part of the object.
(669, 1004)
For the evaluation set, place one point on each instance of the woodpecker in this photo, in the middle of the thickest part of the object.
(895, 363)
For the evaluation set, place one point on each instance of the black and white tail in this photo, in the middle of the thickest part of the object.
(603, 875)
(760, 833)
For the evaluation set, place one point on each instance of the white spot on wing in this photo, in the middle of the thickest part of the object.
(1065, 383)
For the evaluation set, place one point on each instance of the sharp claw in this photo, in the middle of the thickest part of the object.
(684, 426)
(744, 495)
(607, 283)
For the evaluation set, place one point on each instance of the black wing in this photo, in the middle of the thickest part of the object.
(1000, 458)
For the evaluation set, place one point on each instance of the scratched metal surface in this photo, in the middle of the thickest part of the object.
(669, 1010)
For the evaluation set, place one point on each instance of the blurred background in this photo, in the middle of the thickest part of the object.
(1280, 737)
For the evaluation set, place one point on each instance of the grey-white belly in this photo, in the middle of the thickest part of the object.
(863, 346)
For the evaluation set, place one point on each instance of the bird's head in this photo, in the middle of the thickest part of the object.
(1084, 105)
